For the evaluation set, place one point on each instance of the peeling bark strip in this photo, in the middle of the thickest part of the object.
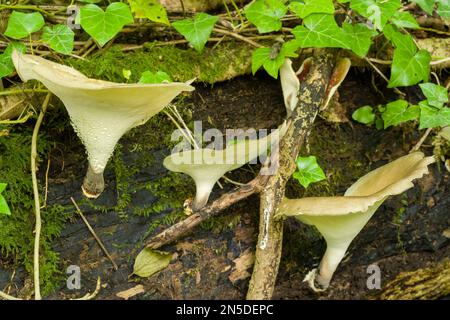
(268, 252)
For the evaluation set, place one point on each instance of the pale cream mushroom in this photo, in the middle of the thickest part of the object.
(100, 111)
(290, 82)
(206, 166)
(340, 219)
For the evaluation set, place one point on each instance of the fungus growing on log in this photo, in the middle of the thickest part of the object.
(340, 219)
(100, 111)
(206, 166)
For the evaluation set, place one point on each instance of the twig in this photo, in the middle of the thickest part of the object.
(421, 141)
(187, 225)
(12, 92)
(37, 206)
(382, 75)
(90, 296)
(46, 183)
(100, 243)
(6, 296)
(238, 36)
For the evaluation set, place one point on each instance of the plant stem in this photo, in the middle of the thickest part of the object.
(37, 206)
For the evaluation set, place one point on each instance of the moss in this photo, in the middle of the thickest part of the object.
(219, 63)
(16, 231)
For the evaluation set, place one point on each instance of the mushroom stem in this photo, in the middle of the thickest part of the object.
(202, 195)
(328, 265)
(93, 184)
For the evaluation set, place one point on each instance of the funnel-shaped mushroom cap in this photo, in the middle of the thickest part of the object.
(290, 86)
(207, 166)
(340, 219)
(101, 111)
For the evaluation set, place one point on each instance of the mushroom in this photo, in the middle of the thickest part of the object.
(100, 111)
(340, 219)
(290, 81)
(206, 166)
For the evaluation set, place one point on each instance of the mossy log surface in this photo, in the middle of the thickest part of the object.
(424, 284)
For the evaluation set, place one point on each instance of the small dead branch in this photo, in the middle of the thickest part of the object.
(37, 206)
(90, 296)
(184, 227)
(91, 230)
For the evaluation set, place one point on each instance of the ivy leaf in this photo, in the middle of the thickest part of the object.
(431, 117)
(158, 77)
(104, 25)
(426, 5)
(320, 31)
(409, 65)
(312, 6)
(436, 95)
(358, 37)
(196, 30)
(308, 171)
(444, 8)
(21, 25)
(150, 9)
(404, 20)
(364, 115)
(60, 38)
(4, 208)
(266, 14)
(377, 11)
(149, 262)
(263, 57)
(6, 64)
(399, 111)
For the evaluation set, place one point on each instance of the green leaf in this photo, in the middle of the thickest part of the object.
(104, 25)
(444, 8)
(435, 94)
(263, 57)
(312, 6)
(377, 11)
(431, 117)
(4, 208)
(403, 19)
(197, 30)
(426, 5)
(60, 38)
(6, 64)
(320, 31)
(149, 262)
(21, 25)
(364, 115)
(150, 77)
(358, 37)
(409, 65)
(150, 9)
(308, 171)
(399, 111)
(266, 14)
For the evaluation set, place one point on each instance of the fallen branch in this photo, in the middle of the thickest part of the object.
(312, 94)
(185, 226)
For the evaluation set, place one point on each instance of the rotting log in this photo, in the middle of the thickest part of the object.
(421, 284)
(268, 251)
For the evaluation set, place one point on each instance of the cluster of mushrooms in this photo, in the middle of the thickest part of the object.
(101, 112)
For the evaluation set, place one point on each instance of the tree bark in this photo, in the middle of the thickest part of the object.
(422, 284)
(268, 252)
